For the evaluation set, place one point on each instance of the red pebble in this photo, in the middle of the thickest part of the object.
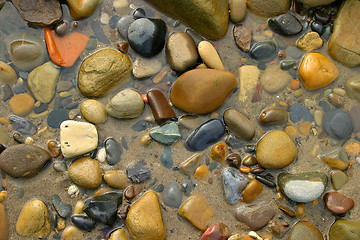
(217, 231)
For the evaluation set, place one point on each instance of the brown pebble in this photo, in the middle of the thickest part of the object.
(282, 54)
(295, 84)
(123, 210)
(233, 160)
(131, 191)
(116, 178)
(257, 170)
(160, 106)
(300, 210)
(252, 191)
(338, 203)
(22, 104)
(291, 130)
(54, 148)
(249, 160)
(336, 100)
(304, 128)
(219, 152)
(3, 195)
(287, 211)
(123, 47)
(245, 169)
(101, 191)
(79, 207)
(4, 225)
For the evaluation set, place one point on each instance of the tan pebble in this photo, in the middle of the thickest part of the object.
(4, 224)
(300, 210)
(146, 139)
(22, 104)
(79, 207)
(353, 148)
(237, 10)
(304, 128)
(202, 172)
(299, 92)
(73, 233)
(201, 66)
(93, 111)
(254, 235)
(7, 74)
(74, 113)
(219, 152)
(61, 224)
(310, 41)
(291, 130)
(268, 34)
(4, 121)
(101, 191)
(210, 56)
(339, 91)
(318, 116)
(119, 234)
(3, 195)
(116, 178)
(85, 172)
(252, 191)
(283, 104)
(295, 84)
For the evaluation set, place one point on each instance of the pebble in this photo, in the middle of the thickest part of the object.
(62, 28)
(123, 26)
(132, 191)
(285, 24)
(249, 160)
(305, 230)
(126, 104)
(310, 41)
(352, 87)
(22, 104)
(138, 173)
(286, 64)
(22, 125)
(63, 209)
(219, 152)
(56, 117)
(210, 56)
(172, 195)
(242, 35)
(4, 224)
(201, 172)
(317, 27)
(166, 158)
(275, 150)
(160, 106)
(343, 229)
(119, 234)
(274, 79)
(264, 180)
(264, 50)
(234, 183)
(317, 71)
(204, 95)
(93, 111)
(79, 207)
(73, 233)
(7, 74)
(116, 178)
(197, 211)
(268, 9)
(338, 203)
(239, 124)
(337, 124)
(100, 71)
(336, 100)
(23, 160)
(144, 219)
(143, 68)
(256, 216)
(299, 112)
(237, 10)
(85, 172)
(113, 150)
(103, 208)
(336, 158)
(338, 179)
(217, 231)
(83, 222)
(146, 36)
(205, 135)
(82, 9)
(302, 187)
(252, 191)
(34, 220)
(189, 165)
(42, 81)
(249, 76)
(123, 47)
(273, 116)
(77, 138)
(233, 160)
(166, 134)
(181, 51)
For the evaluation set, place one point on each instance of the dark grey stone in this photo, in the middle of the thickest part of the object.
(337, 124)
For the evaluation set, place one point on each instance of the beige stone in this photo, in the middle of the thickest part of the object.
(274, 79)
(119, 234)
(210, 56)
(22, 104)
(143, 68)
(85, 172)
(4, 224)
(269, 8)
(93, 111)
(315, 3)
(79, 207)
(127, 103)
(310, 41)
(249, 76)
(237, 10)
(189, 165)
(73, 233)
(7, 74)
(116, 178)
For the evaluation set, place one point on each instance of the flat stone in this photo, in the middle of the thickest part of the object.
(264, 50)
(144, 219)
(93, 111)
(343, 229)
(337, 124)
(4, 224)
(338, 203)
(273, 116)
(143, 68)
(116, 178)
(274, 79)
(310, 41)
(166, 133)
(299, 112)
(63, 209)
(22, 104)
(338, 179)
(305, 231)
(22, 125)
(234, 183)
(56, 117)
(113, 150)
(285, 24)
(239, 124)
(189, 165)
(127, 103)
(243, 36)
(268, 8)
(172, 195)
(85, 172)
(139, 173)
(77, 138)
(252, 191)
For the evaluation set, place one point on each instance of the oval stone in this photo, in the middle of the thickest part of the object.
(126, 104)
(22, 104)
(268, 8)
(210, 56)
(7, 74)
(237, 10)
(217, 231)
(252, 191)
(273, 116)
(338, 203)
(274, 79)
(344, 229)
(116, 178)
(305, 231)
(263, 50)
(337, 123)
(93, 111)
(172, 195)
(202, 91)
(85, 172)
(239, 124)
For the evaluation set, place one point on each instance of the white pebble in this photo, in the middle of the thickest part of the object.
(254, 235)
(73, 191)
(101, 155)
(104, 18)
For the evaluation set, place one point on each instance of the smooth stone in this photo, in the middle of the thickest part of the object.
(237, 10)
(210, 56)
(343, 46)
(299, 112)
(77, 138)
(172, 195)
(4, 224)
(73, 233)
(302, 187)
(127, 103)
(103, 208)
(113, 150)
(189, 165)
(7, 74)
(249, 76)
(56, 117)
(83, 222)
(315, 3)
(239, 124)
(234, 183)
(160, 106)
(305, 231)
(123, 25)
(119, 234)
(336, 158)
(144, 219)
(343, 229)
(181, 51)
(42, 81)
(242, 36)
(336, 100)
(274, 79)
(309, 41)
(26, 50)
(273, 116)
(116, 178)
(256, 216)
(99, 32)
(209, 19)
(166, 133)
(354, 114)
(252, 191)
(22, 125)
(352, 87)
(85, 172)
(143, 68)
(63, 209)
(62, 28)
(317, 71)
(317, 26)
(217, 231)
(263, 50)
(39, 12)
(204, 95)
(338, 179)
(268, 8)
(23, 160)
(22, 104)
(166, 158)
(197, 211)
(138, 173)
(205, 135)
(338, 203)
(93, 111)
(275, 150)
(103, 70)
(233, 160)
(285, 24)
(82, 8)
(34, 220)
(146, 36)
(337, 124)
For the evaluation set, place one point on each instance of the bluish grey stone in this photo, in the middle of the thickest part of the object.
(123, 25)
(234, 184)
(337, 124)
(172, 195)
(63, 209)
(299, 112)
(285, 24)
(113, 151)
(99, 32)
(22, 125)
(166, 133)
(138, 173)
(263, 50)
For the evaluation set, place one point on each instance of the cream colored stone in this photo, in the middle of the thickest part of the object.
(77, 138)
(143, 68)
(249, 76)
(237, 10)
(73, 233)
(210, 56)
(7, 74)
(127, 103)
(119, 234)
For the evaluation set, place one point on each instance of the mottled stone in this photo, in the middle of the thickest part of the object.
(309, 41)
(143, 68)
(127, 103)
(217, 231)
(338, 203)
(234, 183)
(85, 172)
(242, 36)
(285, 24)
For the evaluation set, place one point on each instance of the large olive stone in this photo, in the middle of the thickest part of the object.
(345, 230)
(269, 8)
(209, 18)
(305, 231)
(101, 71)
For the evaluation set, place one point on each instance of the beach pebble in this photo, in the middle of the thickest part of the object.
(338, 179)
(189, 165)
(22, 104)
(160, 106)
(73, 233)
(166, 134)
(82, 9)
(210, 56)
(237, 10)
(143, 68)
(93, 111)
(83, 222)
(119, 234)
(234, 183)
(113, 150)
(263, 50)
(85, 172)
(249, 76)
(7, 74)
(252, 191)
(305, 230)
(273, 116)
(217, 231)
(242, 36)
(172, 195)
(269, 8)
(239, 124)
(310, 41)
(127, 103)
(274, 79)
(343, 229)
(4, 224)
(116, 178)
(337, 123)
(285, 24)
(338, 203)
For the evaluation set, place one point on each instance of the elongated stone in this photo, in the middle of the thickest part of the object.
(234, 183)
(160, 106)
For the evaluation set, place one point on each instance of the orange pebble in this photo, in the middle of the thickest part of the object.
(245, 169)
(246, 237)
(4, 121)
(144, 97)
(295, 84)
(202, 172)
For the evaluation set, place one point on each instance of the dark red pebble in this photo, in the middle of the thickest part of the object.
(160, 106)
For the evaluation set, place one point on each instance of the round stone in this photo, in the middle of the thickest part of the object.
(93, 111)
(275, 150)
(274, 79)
(305, 231)
(72, 233)
(237, 10)
(116, 178)
(22, 104)
(85, 172)
(263, 50)
(273, 116)
(172, 195)
(338, 203)
(126, 104)
(56, 117)
(252, 191)
(338, 179)
(143, 68)
(337, 124)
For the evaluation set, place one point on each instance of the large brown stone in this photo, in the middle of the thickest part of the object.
(268, 8)
(209, 18)
(344, 45)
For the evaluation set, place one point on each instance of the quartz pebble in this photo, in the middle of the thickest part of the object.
(85, 172)
(338, 203)
(126, 104)
(210, 56)
(93, 111)
(143, 68)
(234, 183)
(239, 124)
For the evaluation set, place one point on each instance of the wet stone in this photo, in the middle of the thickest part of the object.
(337, 124)
(273, 116)
(139, 173)
(286, 64)
(72, 232)
(305, 231)
(239, 124)
(234, 183)
(82, 9)
(99, 32)
(338, 203)
(22, 125)
(263, 50)
(143, 68)
(114, 151)
(233, 160)
(217, 231)
(56, 117)
(159, 188)
(132, 191)
(267, 182)
(317, 26)
(83, 222)
(166, 133)
(274, 79)
(206, 134)
(85, 172)
(187, 186)
(242, 36)
(93, 111)
(285, 24)
(166, 158)
(336, 158)
(172, 195)
(123, 25)
(344, 229)
(252, 191)
(352, 86)
(299, 112)
(63, 209)
(116, 178)
(7, 74)
(269, 8)
(41, 108)
(160, 106)
(60, 166)
(126, 104)
(338, 179)
(189, 165)
(140, 125)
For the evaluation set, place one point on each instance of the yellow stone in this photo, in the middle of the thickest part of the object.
(3, 195)
(4, 225)
(119, 234)
(310, 41)
(249, 76)
(79, 207)
(210, 56)
(219, 152)
(202, 172)
(197, 211)
(82, 8)
(353, 148)
(317, 71)
(73, 233)
(304, 128)
(291, 130)
(144, 219)
(252, 191)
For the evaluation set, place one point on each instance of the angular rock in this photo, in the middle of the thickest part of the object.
(63, 209)
(22, 125)
(343, 229)
(305, 231)
(242, 36)
(189, 165)
(127, 103)
(139, 173)
(285, 24)
(83, 222)
(85, 172)
(166, 133)
(234, 183)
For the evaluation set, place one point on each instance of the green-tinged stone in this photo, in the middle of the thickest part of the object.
(2, 3)
(338, 179)
(189, 165)
(345, 230)
(286, 64)
(352, 87)
(305, 231)
(166, 133)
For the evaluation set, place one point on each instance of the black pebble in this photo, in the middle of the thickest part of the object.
(83, 222)
(317, 26)
(56, 117)
(265, 181)
(22, 125)
(285, 24)
(139, 13)
(63, 209)
(41, 108)
(139, 173)
(263, 50)
(113, 151)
